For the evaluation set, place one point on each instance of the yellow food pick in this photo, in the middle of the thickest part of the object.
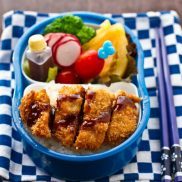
(37, 43)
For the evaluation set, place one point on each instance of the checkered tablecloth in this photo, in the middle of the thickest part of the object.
(15, 164)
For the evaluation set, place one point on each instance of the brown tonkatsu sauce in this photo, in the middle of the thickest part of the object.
(35, 110)
(69, 119)
(71, 97)
(103, 117)
(89, 96)
(63, 97)
(122, 102)
(39, 72)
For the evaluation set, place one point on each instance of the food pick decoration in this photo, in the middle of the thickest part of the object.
(106, 50)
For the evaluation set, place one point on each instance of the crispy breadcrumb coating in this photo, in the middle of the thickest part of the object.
(83, 119)
(97, 112)
(69, 105)
(35, 112)
(124, 118)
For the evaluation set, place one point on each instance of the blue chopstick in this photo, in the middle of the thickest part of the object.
(173, 129)
(165, 148)
(175, 148)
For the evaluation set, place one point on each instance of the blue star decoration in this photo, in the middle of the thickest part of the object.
(106, 50)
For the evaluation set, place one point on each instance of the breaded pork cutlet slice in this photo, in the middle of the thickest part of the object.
(124, 118)
(67, 115)
(96, 118)
(35, 112)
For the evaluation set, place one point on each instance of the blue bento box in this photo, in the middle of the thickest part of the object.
(75, 167)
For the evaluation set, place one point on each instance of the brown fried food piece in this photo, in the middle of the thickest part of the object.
(35, 112)
(97, 113)
(124, 118)
(69, 105)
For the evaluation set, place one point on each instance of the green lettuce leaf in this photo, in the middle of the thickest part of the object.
(26, 67)
(52, 72)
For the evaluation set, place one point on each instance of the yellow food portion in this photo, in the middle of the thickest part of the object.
(103, 26)
(116, 34)
(37, 43)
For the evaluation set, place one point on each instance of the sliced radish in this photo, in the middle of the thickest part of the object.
(67, 52)
(54, 38)
(67, 38)
(47, 37)
(63, 40)
(74, 37)
(66, 55)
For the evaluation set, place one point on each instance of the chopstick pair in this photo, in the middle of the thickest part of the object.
(171, 161)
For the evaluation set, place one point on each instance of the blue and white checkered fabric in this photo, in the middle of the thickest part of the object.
(15, 165)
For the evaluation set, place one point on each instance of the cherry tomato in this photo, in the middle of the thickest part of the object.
(89, 65)
(67, 76)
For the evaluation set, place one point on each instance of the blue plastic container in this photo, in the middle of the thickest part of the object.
(74, 167)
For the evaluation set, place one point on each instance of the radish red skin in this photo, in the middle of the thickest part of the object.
(47, 37)
(54, 47)
(54, 38)
(61, 43)
(67, 76)
(89, 65)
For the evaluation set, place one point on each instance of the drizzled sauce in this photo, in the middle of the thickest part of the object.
(89, 96)
(71, 97)
(69, 119)
(103, 117)
(122, 102)
(63, 97)
(35, 110)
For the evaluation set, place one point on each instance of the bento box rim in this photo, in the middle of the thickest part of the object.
(93, 18)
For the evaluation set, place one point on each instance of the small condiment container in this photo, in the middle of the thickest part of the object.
(39, 57)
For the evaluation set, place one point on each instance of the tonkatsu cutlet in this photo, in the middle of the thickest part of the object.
(69, 105)
(35, 112)
(96, 118)
(124, 118)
